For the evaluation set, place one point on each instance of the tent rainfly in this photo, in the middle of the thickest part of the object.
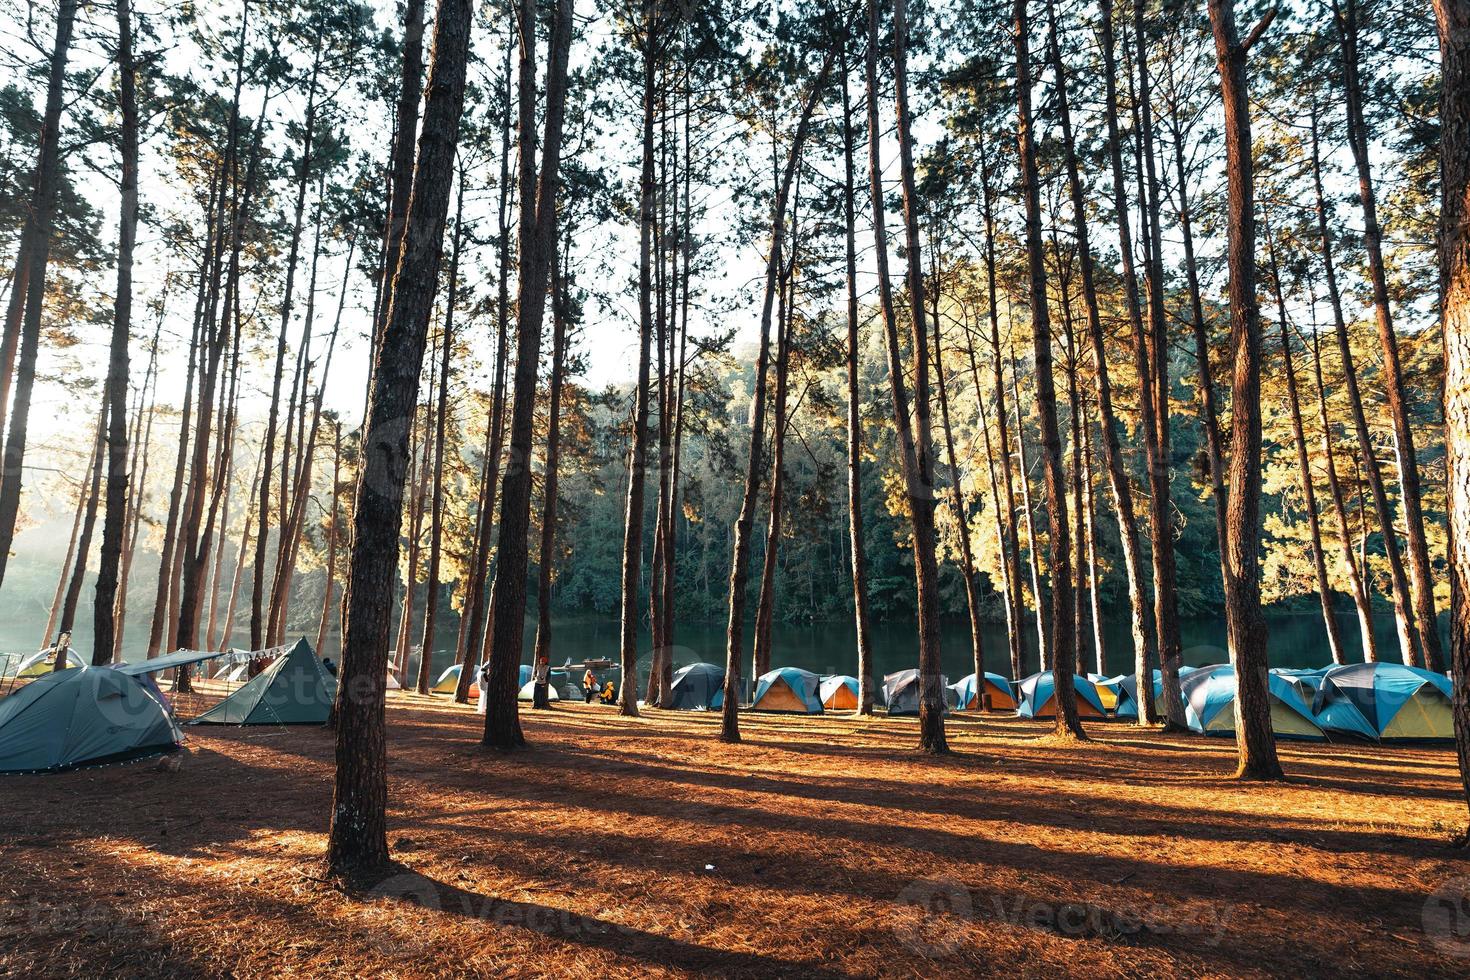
(902, 692)
(294, 690)
(1038, 697)
(83, 716)
(1385, 702)
(697, 687)
(788, 689)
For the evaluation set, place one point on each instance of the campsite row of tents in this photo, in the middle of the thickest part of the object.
(1376, 702)
(84, 715)
(1379, 702)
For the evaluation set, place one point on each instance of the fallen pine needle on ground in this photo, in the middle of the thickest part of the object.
(820, 846)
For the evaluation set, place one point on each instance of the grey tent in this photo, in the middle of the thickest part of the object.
(83, 716)
(902, 690)
(295, 690)
(697, 686)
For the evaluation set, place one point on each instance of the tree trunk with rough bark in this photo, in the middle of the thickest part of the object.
(1063, 626)
(537, 235)
(357, 843)
(1254, 739)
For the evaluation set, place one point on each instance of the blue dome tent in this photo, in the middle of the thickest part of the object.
(839, 692)
(788, 689)
(696, 687)
(83, 716)
(902, 692)
(1209, 697)
(992, 694)
(1038, 697)
(1385, 702)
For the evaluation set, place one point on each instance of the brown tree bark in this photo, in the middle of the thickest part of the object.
(1140, 615)
(632, 557)
(1421, 579)
(473, 635)
(1304, 466)
(765, 608)
(115, 515)
(537, 235)
(28, 287)
(1063, 626)
(856, 544)
(1361, 600)
(1254, 739)
(357, 843)
(1159, 517)
(541, 657)
(745, 523)
(1453, 18)
(957, 493)
(263, 517)
(1367, 451)
(441, 427)
(917, 450)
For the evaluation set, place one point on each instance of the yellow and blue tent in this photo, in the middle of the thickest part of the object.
(1038, 697)
(788, 689)
(991, 694)
(1385, 702)
(839, 692)
(1209, 697)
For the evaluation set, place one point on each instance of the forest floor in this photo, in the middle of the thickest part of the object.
(824, 846)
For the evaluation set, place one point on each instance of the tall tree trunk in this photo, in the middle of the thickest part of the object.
(916, 443)
(1063, 626)
(1012, 608)
(436, 508)
(866, 680)
(332, 522)
(473, 634)
(1421, 580)
(115, 517)
(632, 557)
(1368, 453)
(1361, 600)
(357, 843)
(142, 442)
(1156, 364)
(957, 491)
(537, 236)
(1304, 466)
(1089, 527)
(541, 658)
(745, 522)
(765, 608)
(28, 286)
(1173, 707)
(263, 517)
(89, 523)
(1140, 615)
(1012, 540)
(1453, 17)
(1033, 548)
(1254, 739)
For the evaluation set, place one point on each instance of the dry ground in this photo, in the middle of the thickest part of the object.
(819, 847)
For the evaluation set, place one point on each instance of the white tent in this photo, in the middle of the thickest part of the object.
(41, 662)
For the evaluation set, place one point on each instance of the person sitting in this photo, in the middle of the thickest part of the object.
(608, 695)
(589, 685)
